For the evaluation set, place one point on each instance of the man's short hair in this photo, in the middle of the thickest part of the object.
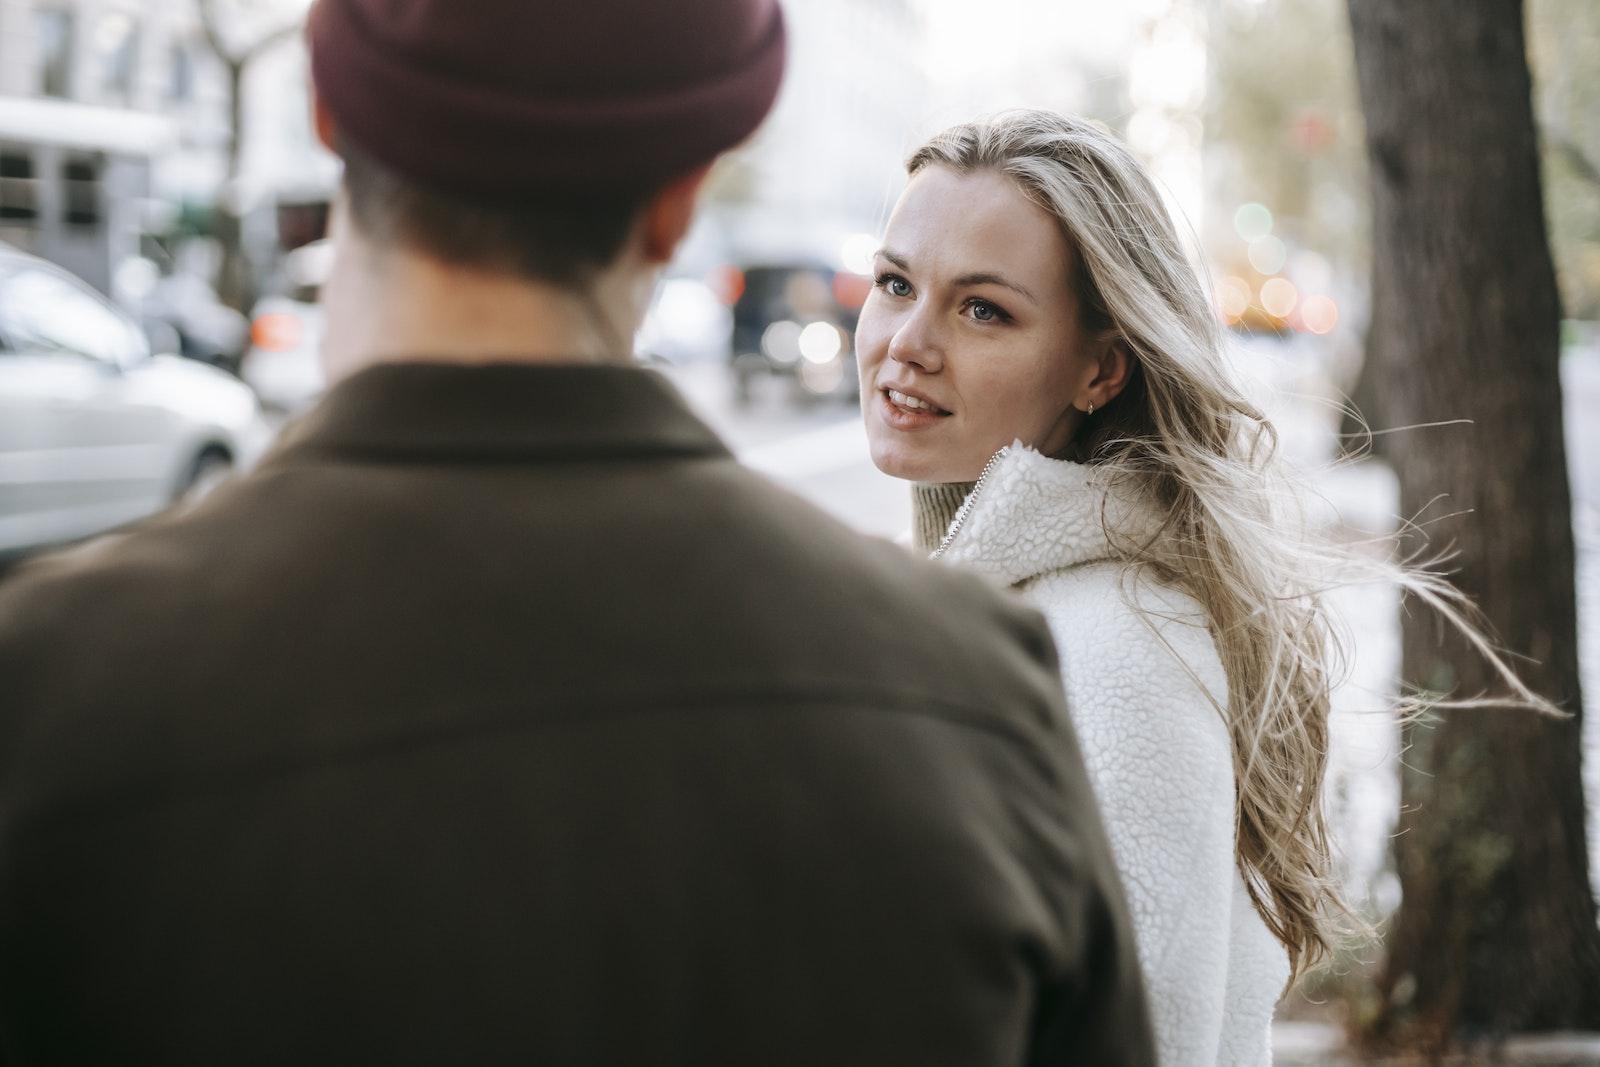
(563, 241)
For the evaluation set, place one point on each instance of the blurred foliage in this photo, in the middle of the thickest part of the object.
(1284, 128)
(1564, 47)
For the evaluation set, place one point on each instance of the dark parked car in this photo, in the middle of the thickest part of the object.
(796, 322)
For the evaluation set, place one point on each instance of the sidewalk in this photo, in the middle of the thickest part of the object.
(1321, 1045)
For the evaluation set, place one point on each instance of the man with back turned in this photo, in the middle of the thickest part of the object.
(499, 715)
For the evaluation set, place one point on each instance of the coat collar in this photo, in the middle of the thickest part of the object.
(501, 411)
(1032, 514)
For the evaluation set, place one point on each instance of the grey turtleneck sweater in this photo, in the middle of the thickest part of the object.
(933, 509)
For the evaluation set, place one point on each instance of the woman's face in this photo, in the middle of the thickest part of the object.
(970, 338)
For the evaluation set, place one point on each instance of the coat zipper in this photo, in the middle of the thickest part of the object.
(966, 505)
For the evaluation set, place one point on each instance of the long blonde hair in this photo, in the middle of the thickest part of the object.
(1184, 433)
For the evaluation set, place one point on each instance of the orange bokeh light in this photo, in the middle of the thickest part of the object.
(1279, 296)
(276, 332)
(1319, 314)
(727, 283)
(1233, 298)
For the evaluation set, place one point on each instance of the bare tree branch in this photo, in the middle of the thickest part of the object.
(210, 26)
(281, 34)
(234, 276)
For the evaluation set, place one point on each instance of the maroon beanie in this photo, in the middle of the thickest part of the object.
(510, 99)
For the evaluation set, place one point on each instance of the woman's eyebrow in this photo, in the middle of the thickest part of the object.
(989, 277)
(983, 277)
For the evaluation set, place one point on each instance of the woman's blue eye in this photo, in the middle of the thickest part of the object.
(895, 285)
(983, 311)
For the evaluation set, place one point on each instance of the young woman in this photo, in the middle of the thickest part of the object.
(1039, 356)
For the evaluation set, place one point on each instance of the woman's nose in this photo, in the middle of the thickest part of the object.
(914, 345)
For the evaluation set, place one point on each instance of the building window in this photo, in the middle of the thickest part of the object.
(18, 188)
(116, 42)
(180, 89)
(80, 181)
(53, 30)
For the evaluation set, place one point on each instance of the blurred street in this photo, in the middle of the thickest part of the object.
(818, 449)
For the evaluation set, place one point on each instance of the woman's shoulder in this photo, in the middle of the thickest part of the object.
(1121, 610)
(1137, 657)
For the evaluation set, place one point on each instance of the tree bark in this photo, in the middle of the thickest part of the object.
(235, 279)
(236, 283)
(1497, 929)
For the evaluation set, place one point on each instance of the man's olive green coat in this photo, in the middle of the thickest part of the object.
(500, 716)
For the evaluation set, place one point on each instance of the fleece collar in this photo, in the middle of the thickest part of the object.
(1033, 514)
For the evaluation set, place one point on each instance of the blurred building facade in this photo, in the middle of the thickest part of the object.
(1029, 53)
(98, 100)
(828, 161)
(115, 123)
(869, 80)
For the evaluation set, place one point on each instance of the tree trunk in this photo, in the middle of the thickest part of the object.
(1496, 932)
(235, 280)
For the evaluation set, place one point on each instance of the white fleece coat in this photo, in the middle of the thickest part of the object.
(1157, 749)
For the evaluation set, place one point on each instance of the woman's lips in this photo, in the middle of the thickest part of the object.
(908, 415)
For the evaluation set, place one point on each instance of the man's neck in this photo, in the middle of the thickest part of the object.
(395, 306)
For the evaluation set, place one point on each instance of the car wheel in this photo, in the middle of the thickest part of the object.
(211, 468)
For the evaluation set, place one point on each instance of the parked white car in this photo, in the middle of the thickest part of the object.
(95, 431)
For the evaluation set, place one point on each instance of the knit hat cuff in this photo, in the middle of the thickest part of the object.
(465, 135)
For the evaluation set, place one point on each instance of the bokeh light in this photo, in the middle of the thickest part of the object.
(851, 290)
(1279, 296)
(781, 341)
(1311, 271)
(820, 342)
(1233, 298)
(1319, 314)
(727, 282)
(822, 378)
(857, 253)
(1267, 254)
(1252, 221)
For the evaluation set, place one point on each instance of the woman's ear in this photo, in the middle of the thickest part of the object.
(1113, 365)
